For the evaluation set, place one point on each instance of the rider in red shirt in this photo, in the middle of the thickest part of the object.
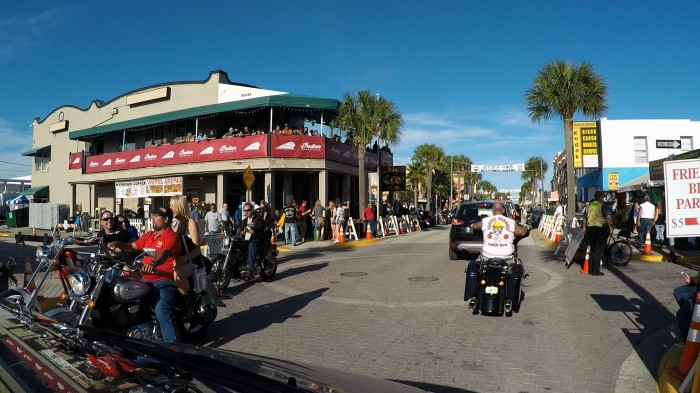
(158, 270)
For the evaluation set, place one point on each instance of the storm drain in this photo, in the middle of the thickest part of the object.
(353, 274)
(423, 279)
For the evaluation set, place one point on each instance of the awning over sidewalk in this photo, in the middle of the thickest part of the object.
(37, 150)
(635, 184)
(18, 200)
(38, 190)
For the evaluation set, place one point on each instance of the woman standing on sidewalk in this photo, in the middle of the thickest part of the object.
(334, 226)
(660, 223)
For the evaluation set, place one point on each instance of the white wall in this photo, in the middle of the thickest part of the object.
(618, 139)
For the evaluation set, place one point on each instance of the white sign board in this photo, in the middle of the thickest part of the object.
(682, 182)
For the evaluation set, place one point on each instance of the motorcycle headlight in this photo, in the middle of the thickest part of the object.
(227, 242)
(80, 282)
(41, 252)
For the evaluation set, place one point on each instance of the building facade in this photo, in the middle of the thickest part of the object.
(627, 146)
(203, 139)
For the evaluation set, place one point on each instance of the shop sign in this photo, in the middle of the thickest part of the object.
(586, 144)
(682, 183)
(613, 181)
(150, 187)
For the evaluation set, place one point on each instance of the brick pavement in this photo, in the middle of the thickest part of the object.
(574, 333)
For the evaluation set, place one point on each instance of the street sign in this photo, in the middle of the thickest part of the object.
(682, 182)
(248, 177)
(668, 144)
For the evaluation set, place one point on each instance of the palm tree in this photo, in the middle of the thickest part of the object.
(525, 190)
(364, 117)
(431, 156)
(562, 89)
(535, 168)
(415, 176)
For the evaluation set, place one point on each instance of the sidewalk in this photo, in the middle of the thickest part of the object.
(684, 253)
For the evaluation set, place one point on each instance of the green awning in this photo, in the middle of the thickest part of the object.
(34, 151)
(298, 102)
(40, 190)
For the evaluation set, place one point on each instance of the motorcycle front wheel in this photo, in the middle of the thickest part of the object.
(193, 329)
(220, 272)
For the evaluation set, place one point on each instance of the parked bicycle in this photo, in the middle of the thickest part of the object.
(619, 249)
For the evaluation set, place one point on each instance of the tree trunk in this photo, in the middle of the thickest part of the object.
(429, 188)
(570, 178)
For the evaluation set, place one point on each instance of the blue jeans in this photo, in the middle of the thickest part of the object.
(252, 251)
(373, 227)
(164, 293)
(645, 225)
(660, 233)
(684, 296)
(290, 227)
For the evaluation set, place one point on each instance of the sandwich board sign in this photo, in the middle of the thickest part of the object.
(682, 182)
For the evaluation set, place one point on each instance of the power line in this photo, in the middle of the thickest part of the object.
(15, 163)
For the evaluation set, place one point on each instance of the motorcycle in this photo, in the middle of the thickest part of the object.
(493, 286)
(110, 297)
(230, 262)
(57, 255)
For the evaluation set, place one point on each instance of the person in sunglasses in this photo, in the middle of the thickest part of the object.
(110, 231)
(123, 224)
(253, 228)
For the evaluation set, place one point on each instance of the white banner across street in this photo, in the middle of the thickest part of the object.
(498, 168)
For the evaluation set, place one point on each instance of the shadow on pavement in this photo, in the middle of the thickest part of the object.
(429, 387)
(258, 318)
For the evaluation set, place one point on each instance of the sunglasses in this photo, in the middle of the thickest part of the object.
(246, 210)
(106, 218)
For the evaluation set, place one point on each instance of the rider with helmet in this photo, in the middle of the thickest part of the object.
(254, 228)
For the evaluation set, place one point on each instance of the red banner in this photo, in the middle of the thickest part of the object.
(338, 151)
(75, 160)
(297, 146)
(236, 148)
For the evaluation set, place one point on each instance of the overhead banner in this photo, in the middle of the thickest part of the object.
(150, 187)
(682, 183)
(298, 146)
(498, 168)
(586, 148)
(394, 178)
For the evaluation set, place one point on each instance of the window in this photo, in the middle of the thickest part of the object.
(41, 162)
(640, 150)
(154, 136)
(686, 143)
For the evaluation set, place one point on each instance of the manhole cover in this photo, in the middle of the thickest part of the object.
(334, 282)
(353, 274)
(423, 279)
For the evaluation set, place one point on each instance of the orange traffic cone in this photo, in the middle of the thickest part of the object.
(692, 344)
(584, 268)
(557, 237)
(417, 226)
(273, 236)
(368, 234)
(28, 275)
(341, 234)
(647, 245)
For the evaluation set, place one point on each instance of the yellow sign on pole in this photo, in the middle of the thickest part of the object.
(248, 178)
(613, 181)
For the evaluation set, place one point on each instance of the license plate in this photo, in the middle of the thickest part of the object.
(492, 290)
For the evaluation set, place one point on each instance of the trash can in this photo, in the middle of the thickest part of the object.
(11, 219)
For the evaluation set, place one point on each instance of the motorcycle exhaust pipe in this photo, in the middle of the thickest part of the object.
(472, 304)
(508, 305)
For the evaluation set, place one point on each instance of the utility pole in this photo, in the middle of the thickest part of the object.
(452, 179)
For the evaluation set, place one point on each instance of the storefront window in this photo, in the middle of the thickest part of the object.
(640, 150)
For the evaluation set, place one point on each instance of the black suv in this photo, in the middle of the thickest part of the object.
(463, 240)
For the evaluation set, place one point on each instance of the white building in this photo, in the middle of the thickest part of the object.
(626, 147)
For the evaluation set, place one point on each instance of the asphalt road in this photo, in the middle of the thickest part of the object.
(394, 309)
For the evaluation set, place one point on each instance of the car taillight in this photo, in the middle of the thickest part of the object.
(457, 221)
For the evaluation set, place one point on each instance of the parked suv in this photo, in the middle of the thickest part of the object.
(463, 240)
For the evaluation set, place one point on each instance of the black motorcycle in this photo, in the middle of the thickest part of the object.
(232, 259)
(110, 297)
(493, 286)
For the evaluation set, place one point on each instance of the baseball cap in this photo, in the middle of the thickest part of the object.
(164, 211)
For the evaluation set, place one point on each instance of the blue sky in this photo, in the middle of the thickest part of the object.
(457, 70)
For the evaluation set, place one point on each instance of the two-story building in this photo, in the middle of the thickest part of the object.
(195, 139)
